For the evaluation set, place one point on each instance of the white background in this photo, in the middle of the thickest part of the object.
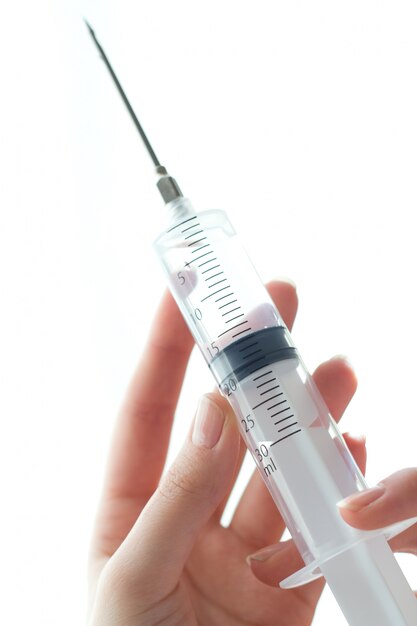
(299, 119)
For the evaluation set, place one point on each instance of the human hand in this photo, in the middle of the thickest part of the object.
(159, 553)
(394, 499)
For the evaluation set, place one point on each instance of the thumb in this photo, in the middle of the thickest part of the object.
(159, 543)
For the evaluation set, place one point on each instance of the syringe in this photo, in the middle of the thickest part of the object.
(283, 419)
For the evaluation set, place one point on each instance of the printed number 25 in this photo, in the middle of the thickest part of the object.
(248, 423)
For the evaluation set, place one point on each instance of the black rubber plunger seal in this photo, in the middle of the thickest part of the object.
(244, 357)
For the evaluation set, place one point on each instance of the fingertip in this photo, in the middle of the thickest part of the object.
(365, 509)
(344, 367)
(344, 358)
(169, 329)
(208, 424)
(284, 295)
(360, 439)
(337, 383)
(392, 500)
(274, 563)
(224, 405)
(283, 290)
(230, 428)
(284, 280)
(357, 447)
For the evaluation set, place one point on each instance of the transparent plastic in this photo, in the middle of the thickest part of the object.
(284, 421)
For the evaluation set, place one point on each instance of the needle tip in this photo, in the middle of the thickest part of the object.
(89, 27)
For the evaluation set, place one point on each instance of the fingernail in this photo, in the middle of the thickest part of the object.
(361, 438)
(208, 423)
(343, 357)
(266, 553)
(285, 279)
(360, 500)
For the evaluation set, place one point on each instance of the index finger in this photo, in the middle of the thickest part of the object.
(148, 410)
(142, 431)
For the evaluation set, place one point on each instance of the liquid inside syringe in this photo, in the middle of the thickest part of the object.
(286, 425)
(301, 455)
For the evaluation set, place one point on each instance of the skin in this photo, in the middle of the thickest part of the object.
(159, 554)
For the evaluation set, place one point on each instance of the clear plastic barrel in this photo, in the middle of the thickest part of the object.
(213, 281)
(288, 429)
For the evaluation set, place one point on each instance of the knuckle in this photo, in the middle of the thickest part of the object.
(409, 491)
(115, 578)
(119, 584)
(405, 479)
(412, 471)
(152, 413)
(185, 482)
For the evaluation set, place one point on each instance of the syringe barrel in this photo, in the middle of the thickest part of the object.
(282, 416)
(205, 264)
(302, 457)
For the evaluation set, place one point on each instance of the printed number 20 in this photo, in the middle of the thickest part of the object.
(229, 387)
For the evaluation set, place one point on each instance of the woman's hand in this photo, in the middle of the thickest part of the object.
(159, 554)
(394, 499)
